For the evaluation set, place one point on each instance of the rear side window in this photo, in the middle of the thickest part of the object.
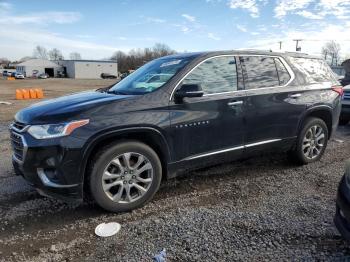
(315, 70)
(260, 71)
(282, 72)
(215, 75)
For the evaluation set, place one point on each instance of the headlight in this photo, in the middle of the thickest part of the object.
(55, 130)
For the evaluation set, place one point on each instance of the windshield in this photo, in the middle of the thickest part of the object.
(150, 77)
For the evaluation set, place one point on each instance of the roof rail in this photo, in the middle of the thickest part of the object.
(294, 52)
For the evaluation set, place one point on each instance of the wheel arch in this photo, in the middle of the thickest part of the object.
(147, 135)
(323, 112)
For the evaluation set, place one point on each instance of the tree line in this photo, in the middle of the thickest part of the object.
(138, 57)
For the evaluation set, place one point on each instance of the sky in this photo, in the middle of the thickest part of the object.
(96, 29)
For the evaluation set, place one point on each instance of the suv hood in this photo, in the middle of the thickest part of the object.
(64, 108)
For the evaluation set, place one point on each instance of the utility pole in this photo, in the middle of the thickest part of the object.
(297, 48)
(280, 42)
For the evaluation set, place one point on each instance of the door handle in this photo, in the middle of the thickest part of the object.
(235, 103)
(295, 96)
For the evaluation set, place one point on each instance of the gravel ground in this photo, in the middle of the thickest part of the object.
(259, 209)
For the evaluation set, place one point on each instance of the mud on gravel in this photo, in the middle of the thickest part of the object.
(263, 208)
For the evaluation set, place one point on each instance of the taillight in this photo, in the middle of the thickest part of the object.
(338, 89)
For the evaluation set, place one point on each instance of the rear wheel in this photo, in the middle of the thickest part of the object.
(125, 176)
(311, 142)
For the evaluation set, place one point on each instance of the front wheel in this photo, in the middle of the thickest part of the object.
(125, 176)
(311, 142)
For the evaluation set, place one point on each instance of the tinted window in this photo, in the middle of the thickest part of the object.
(260, 72)
(315, 70)
(215, 75)
(283, 74)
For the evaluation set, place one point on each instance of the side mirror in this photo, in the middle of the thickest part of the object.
(188, 90)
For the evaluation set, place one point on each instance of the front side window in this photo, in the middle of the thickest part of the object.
(215, 75)
(260, 71)
(150, 77)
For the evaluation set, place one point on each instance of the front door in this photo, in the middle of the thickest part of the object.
(210, 126)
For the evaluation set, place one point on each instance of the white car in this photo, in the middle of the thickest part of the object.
(19, 76)
(43, 76)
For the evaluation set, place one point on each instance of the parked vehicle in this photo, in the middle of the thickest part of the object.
(342, 214)
(119, 143)
(6, 73)
(43, 76)
(345, 111)
(108, 76)
(17, 75)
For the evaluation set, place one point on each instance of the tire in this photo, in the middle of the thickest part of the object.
(300, 153)
(343, 122)
(122, 178)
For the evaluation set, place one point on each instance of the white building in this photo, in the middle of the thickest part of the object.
(36, 67)
(82, 69)
(88, 69)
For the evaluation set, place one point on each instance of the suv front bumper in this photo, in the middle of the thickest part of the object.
(342, 215)
(52, 166)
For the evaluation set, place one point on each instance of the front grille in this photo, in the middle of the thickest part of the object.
(18, 125)
(17, 145)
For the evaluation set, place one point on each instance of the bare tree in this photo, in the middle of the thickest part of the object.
(75, 56)
(25, 58)
(332, 49)
(40, 52)
(4, 60)
(138, 57)
(55, 54)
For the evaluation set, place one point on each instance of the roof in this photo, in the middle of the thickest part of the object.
(39, 62)
(90, 61)
(242, 52)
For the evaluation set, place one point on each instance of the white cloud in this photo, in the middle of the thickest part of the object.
(317, 9)
(41, 18)
(189, 17)
(241, 28)
(285, 6)
(27, 39)
(214, 37)
(313, 39)
(310, 15)
(250, 5)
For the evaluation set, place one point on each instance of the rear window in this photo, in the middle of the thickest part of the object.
(315, 70)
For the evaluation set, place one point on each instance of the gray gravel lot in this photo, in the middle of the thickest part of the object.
(263, 208)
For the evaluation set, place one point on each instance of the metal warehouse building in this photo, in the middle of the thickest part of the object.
(88, 69)
(37, 67)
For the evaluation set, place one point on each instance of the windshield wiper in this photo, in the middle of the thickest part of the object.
(117, 93)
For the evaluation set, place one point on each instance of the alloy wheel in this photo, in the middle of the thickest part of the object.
(313, 142)
(127, 177)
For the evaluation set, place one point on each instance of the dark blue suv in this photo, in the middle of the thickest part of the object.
(172, 115)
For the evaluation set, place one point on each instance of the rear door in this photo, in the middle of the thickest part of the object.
(273, 108)
(210, 126)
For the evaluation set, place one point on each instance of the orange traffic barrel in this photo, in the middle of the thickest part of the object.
(39, 93)
(19, 94)
(32, 94)
(25, 94)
